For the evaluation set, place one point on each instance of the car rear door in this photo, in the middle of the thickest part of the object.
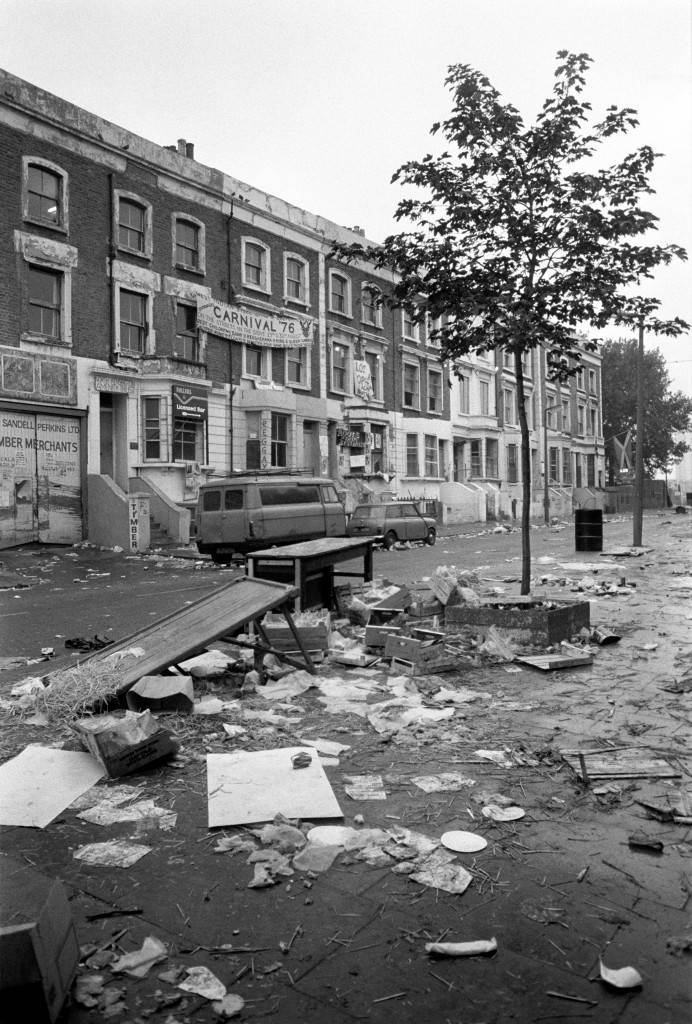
(412, 521)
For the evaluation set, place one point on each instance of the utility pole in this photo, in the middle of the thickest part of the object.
(546, 481)
(639, 451)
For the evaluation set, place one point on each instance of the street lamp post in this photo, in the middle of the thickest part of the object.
(546, 489)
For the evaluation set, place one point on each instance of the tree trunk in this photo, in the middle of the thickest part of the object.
(525, 478)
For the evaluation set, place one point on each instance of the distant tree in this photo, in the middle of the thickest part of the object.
(666, 412)
(517, 240)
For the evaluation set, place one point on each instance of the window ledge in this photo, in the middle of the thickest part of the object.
(134, 252)
(61, 228)
(337, 312)
(44, 339)
(303, 303)
(189, 270)
(256, 288)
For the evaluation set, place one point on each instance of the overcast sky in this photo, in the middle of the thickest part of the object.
(319, 101)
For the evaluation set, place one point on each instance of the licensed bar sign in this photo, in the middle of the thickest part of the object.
(189, 403)
(252, 328)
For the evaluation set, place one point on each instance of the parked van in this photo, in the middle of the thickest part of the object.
(251, 511)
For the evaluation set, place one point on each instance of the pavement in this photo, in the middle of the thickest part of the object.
(560, 889)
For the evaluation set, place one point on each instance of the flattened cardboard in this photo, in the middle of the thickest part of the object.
(162, 693)
(249, 787)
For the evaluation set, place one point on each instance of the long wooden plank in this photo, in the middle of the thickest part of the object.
(184, 633)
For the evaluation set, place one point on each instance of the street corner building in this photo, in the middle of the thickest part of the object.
(163, 323)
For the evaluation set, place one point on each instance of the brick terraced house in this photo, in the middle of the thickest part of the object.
(162, 322)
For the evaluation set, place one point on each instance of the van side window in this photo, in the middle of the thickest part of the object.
(329, 493)
(289, 494)
(211, 502)
(233, 500)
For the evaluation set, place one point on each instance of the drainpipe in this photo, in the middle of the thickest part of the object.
(229, 297)
(111, 259)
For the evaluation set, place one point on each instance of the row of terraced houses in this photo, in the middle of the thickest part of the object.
(162, 323)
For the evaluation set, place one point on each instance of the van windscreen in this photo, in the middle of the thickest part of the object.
(211, 501)
(289, 494)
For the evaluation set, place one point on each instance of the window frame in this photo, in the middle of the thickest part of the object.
(431, 465)
(304, 353)
(274, 441)
(412, 451)
(410, 365)
(368, 288)
(153, 434)
(265, 277)
(192, 335)
(347, 310)
(58, 279)
(347, 368)
(121, 287)
(261, 352)
(179, 218)
(509, 406)
(304, 299)
(181, 431)
(146, 252)
(378, 377)
(434, 372)
(484, 397)
(464, 394)
(63, 223)
(512, 455)
(414, 336)
(566, 466)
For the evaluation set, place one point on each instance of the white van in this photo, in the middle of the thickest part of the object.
(251, 511)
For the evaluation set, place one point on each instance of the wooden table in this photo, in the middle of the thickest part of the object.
(309, 566)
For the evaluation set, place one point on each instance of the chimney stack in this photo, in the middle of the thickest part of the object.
(181, 146)
(190, 150)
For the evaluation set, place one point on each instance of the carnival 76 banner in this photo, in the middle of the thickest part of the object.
(253, 328)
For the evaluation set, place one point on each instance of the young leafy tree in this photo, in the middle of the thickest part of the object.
(517, 240)
(666, 412)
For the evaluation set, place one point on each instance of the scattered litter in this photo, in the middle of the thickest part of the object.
(162, 693)
(201, 982)
(81, 643)
(640, 841)
(302, 759)
(364, 787)
(463, 842)
(502, 758)
(38, 784)
(550, 662)
(281, 835)
(679, 944)
(234, 731)
(209, 705)
(125, 743)
(443, 783)
(603, 637)
(316, 856)
(139, 962)
(245, 788)
(143, 811)
(88, 988)
(627, 763)
(330, 748)
(623, 977)
(480, 947)
(496, 813)
(439, 874)
(117, 853)
(289, 686)
(229, 1006)
(331, 835)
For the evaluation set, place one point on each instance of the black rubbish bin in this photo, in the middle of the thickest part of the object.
(588, 529)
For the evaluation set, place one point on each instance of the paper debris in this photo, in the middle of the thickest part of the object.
(623, 977)
(443, 783)
(229, 1006)
(38, 784)
(114, 854)
(105, 813)
(202, 982)
(137, 963)
(365, 787)
(439, 874)
(477, 948)
(316, 857)
(501, 757)
(496, 813)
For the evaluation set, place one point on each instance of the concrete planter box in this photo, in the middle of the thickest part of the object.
(526, 619)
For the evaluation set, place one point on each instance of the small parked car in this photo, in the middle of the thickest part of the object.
(390, 521)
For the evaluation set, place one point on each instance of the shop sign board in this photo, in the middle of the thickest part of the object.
(254, 328)
(189, 403)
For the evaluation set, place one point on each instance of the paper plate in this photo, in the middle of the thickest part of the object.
(503, 813)
(330, 835)
(463, 842)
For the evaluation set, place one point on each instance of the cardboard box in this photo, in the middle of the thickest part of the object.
(115, 741)
(162, 693)
(39, 951)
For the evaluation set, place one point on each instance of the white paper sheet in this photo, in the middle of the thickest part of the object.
(38, 784)
(249, 787)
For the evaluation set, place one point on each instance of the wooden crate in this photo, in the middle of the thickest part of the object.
(418, 657)
(314, 637)
(376, 636)
(525, 619)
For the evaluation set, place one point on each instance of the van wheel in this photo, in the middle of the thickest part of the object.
(389, 539)
(432, 536)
